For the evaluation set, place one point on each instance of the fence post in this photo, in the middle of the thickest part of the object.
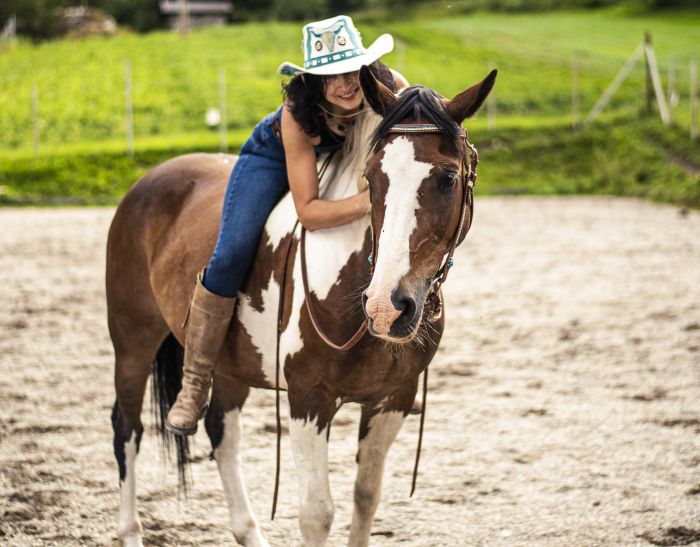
(575, 95)
(653, 70)
(614, 85)
(129, 109)
(223, 126)
(650, 84)
(672, 95)
(491, 105)
(9, 31)
(400, 55)
(35, 118)
(183, 17)
(693, 100)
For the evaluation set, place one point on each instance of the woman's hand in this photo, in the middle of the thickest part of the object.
(364, 205)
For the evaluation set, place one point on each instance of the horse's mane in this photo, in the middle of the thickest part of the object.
(414, 103)
(418, 103)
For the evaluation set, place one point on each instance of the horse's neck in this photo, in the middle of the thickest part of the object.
(329, 250)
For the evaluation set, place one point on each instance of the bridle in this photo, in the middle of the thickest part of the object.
(433, 303)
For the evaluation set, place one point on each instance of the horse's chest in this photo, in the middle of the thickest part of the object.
(328, 253)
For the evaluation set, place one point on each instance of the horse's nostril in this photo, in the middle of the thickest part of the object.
(409, 307)
(404, 303)
(364, 299)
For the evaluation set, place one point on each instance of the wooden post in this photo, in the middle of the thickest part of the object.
(650, 85)
(400, 55)
(575, 95)
(183, 17)
(614, 85)
(672, 95)
(693, 100)
(35, 118)
(129, 109)
(653, 70)
(223, 126)
(491, 105)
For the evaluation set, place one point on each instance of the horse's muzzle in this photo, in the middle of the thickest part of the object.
(394, 318)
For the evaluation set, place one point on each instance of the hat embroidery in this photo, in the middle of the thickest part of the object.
(329, 39)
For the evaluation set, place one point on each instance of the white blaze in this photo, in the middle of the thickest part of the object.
(405, 176)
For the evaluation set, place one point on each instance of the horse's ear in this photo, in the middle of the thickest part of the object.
(470, 100)
(379, 96)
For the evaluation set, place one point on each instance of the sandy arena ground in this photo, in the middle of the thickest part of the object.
(564, 406)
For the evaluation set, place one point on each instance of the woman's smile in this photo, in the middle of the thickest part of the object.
(349, 96)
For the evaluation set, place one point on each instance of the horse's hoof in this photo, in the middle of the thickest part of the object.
(132, 541)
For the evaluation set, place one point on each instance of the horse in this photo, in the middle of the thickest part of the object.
(391, 264)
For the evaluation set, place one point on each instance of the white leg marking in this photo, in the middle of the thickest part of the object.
(372, 451)
(129, 529)
(245, 527)
(316, 509)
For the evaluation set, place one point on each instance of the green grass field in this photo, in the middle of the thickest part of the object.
(81, 100)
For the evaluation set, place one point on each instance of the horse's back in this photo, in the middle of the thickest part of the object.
(163, 232)
(165, 191)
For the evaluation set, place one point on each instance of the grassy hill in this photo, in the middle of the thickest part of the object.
(532, 149)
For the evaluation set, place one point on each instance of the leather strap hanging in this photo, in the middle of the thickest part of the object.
(312, 314)
(280, 318)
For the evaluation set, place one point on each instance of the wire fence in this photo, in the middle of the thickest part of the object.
(219, 106)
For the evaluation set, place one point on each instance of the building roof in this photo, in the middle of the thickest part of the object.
(172, 7)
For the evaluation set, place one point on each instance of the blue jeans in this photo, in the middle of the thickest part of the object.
(258, 181)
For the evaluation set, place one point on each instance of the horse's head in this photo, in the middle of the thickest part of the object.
(421, 198)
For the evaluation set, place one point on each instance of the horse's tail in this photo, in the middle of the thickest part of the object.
(166, 383)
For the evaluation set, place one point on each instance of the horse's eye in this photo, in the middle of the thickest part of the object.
(447, 180)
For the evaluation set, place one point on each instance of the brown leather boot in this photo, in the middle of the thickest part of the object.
(206, 327)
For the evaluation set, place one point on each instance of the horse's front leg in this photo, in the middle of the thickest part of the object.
(224, 430)
(308, 431)
(378, 429)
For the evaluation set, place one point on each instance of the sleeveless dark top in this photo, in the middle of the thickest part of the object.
(329, 141)
(271, 125)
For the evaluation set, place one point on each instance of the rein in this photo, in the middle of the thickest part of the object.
(433, 301)
(359, 334)
(280, 317)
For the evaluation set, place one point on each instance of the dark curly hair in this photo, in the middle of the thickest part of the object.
(304, 92)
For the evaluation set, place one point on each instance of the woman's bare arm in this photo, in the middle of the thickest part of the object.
(313, 212)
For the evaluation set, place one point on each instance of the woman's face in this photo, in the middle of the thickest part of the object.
(343, 90)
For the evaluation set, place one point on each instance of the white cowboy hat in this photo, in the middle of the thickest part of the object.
(334, 46)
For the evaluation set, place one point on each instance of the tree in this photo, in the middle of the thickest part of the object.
(35, 18)
(299, 10)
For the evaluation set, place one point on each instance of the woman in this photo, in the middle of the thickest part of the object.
(321, 103)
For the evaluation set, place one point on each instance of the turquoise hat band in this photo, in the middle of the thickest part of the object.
(333, 57)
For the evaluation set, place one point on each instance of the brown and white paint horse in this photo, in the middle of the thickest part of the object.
(164, 232)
